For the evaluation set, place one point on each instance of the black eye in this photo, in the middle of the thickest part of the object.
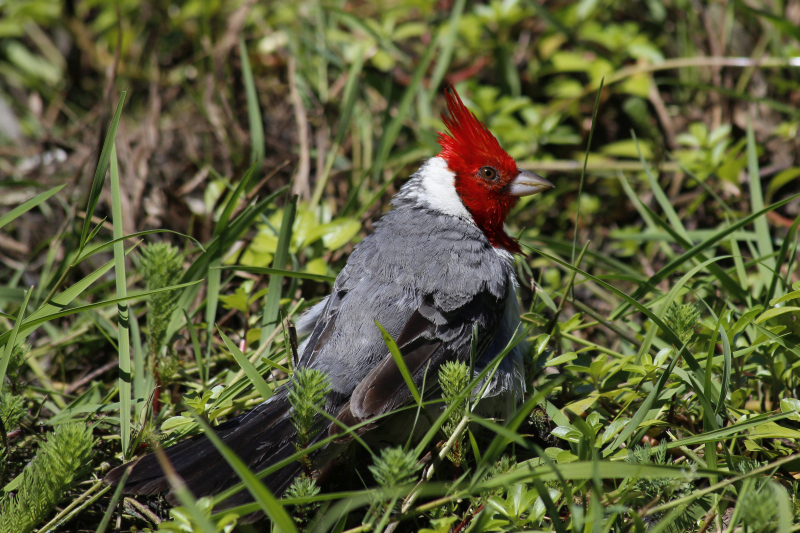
(488, 173)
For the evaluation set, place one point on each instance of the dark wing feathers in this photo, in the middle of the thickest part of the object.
(262, 436)
(430, 304)
(426, 344)
(385, 389)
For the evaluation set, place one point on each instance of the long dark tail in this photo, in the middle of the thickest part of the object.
(260, 437)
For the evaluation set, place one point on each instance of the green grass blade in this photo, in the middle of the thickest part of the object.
(587, 470)
(594, 258)
(214, 275)
(113, 503)
(727, 282)
(28, 205)
(467, 392)
(764, 241)
(700, 247)
(664, 523)
(279, 272)
(89, 251)
(392, 130)
(65, 298)
(272, 303)
(726, 369)
(12, 337)
(237, 227)
(213, 284)
(640, 414)
(717, 486)
(32, 323)
(669, 334)
(734, 430)
(500, 440)
(100, 171)
(253, 110)
(263, 497)
(348, 103)
(784, 506)
(141, 387)
(123, 331)
(230, 204)
(447, 43)
(583, 170)
(660, 196)
(202, 366)
(738, 262)
(255, 377)
(645, 214)
(669, 298)
(784, 257)
(401, 364)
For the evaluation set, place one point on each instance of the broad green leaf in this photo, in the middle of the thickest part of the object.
(772, 313)
(561, 359)
(340, 232)
(238, 300)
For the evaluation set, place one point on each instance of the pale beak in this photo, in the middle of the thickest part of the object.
(527, 183)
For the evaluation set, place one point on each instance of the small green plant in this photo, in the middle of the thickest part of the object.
(47, 478)
(522, 508)
(758, 511)
(12, 410)
(19, 355)
(504, 465)
(651, 488)
(683, 319)
(395, 467)
(453, 379)
(307, 396)
(303, 486)
(162, 266)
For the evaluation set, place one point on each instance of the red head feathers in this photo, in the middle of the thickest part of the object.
(483, 170)
(470, 145)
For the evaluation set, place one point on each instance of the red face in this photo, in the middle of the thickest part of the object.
(484, 171)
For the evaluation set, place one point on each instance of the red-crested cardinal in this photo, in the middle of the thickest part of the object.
(437, 265)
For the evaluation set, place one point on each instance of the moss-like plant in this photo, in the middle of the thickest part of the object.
(46, 478)
(19, 355)
(12, 409)
(309, 391)
(394, 467)
(453, 379)
(302, 487)
(162, 266)
(683, 319)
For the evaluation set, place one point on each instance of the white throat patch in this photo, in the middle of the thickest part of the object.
(439, 189)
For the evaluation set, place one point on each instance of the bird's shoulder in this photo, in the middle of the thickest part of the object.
(428, 251)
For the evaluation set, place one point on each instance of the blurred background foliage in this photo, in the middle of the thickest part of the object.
(365, 79)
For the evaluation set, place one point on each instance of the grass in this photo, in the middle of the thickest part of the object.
(660, 283)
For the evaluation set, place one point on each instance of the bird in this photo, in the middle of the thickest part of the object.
(437, 265)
